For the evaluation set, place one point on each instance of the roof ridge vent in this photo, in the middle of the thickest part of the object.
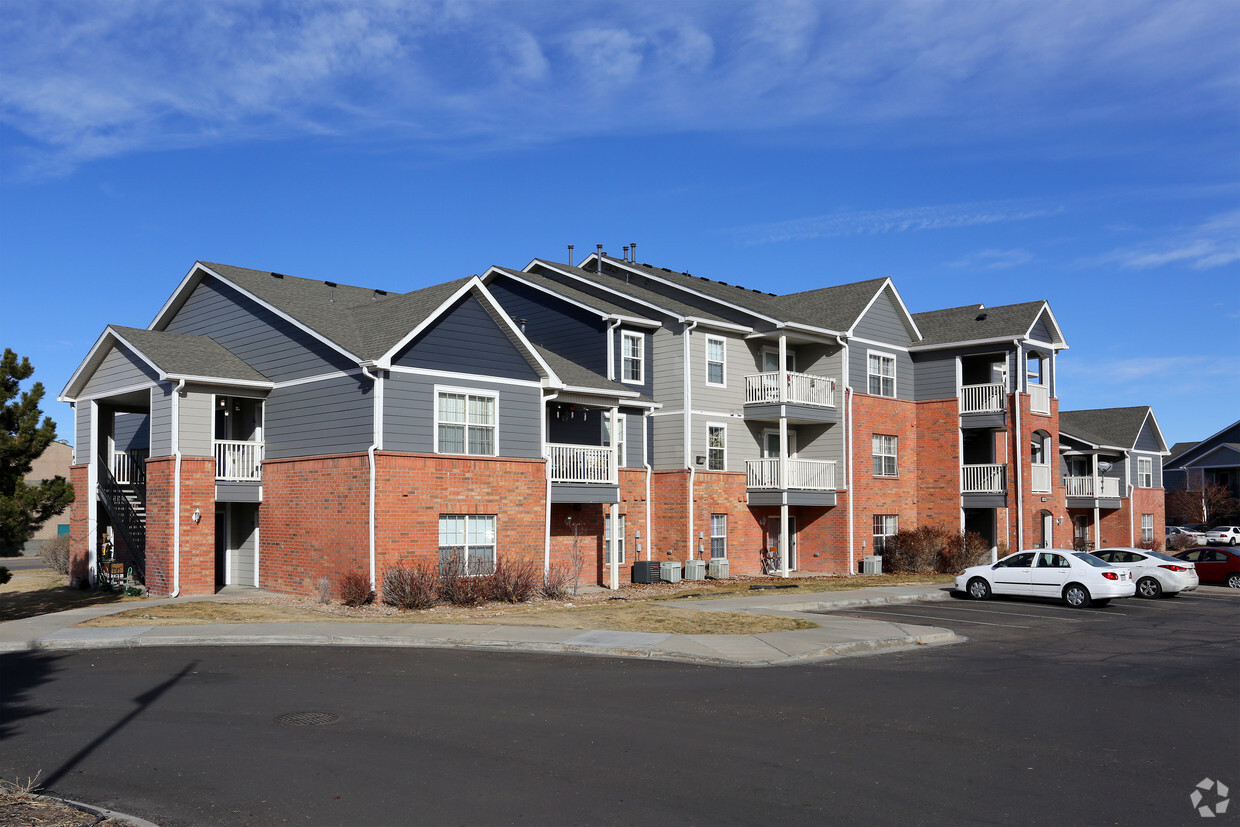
(981, 317)
(278, 275)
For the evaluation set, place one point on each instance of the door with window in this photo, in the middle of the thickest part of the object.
(1050, 574)
(1080, 533)
(772, 539)
(770, 444)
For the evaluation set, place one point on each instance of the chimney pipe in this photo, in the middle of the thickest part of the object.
(633, 252)
(626, 252)
(570, 255)
(522, 321)
(598, 263)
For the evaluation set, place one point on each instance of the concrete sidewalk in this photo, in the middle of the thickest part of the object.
(834, 636)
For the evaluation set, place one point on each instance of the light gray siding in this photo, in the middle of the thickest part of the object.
(1133, 473)
(1041, 331)
(1147, 440)
(81, 431)
(333, 416)
(195, 423)
(275, 347)
(560, 327)
(467, 339)
(131, 431)
(667, 443)
(668, 368)
(243, 537)
(409, 414)
(120, 369)
(161, 419)
(738, 363)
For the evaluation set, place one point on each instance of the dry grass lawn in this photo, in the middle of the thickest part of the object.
(34, 592)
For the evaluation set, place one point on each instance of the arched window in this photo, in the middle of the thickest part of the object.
(1040, 448)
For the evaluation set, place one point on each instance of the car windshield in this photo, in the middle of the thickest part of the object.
(1158, 555)
(1092, 560)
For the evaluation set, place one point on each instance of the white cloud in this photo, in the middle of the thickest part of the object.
(992, 260)
(1213, 243)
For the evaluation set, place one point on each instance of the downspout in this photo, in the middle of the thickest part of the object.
(646, 464)
(1020, 493)
(542, 427)
(176, 488)
(611, 349)
(375, 444)
(688, 440)
(848, 459)
(1132, 529)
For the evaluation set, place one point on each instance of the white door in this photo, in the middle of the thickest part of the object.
(772, 539)
(770, 361)
(770, 444)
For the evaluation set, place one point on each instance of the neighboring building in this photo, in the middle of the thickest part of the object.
(53, 462)
(1111, 465)
(1215, 459)
(268, 430)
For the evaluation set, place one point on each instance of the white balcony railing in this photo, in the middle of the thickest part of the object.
(238, 460)
(129, 467)
(795, 388)
(1040, 478)
(989, 398)
(804, 474)
(582, 464)
(1084, 487)
(983, 479)
(1040, 399)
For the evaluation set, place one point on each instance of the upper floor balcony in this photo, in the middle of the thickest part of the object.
(800, 397)
(808, 482)
(984, 485)
(983, 406)
(238, 460)
(1088, 492)
(583, 473)
(129, 467)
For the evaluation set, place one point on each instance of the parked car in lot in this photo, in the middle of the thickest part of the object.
(1215, 565)
(1156, 574)
(1196, 537)
(1223, 535)
(1078, 578)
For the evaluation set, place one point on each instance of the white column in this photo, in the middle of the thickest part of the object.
(1097, 494)
(783, 540)
(614, 508)
(613, 511)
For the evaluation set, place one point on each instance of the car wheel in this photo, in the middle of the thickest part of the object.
(1233, 580)
(979, 589)
(1149, 587)
(1232, 542)
(1076, 596)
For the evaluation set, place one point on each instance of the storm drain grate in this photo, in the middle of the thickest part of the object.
(306, 719)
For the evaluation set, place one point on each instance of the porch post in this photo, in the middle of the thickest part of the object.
(783, 538)
(1097, 514)
(614, 513)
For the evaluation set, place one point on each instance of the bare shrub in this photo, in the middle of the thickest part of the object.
(460, 588)
(961, 551)
(55, 554)
(915, 550)
(514, 581)
(1179, 542)
(411, 587)
(325, 590)
(555, 586)
(354, 588)
(1149, 545)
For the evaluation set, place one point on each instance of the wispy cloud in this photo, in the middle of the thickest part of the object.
(878, 222)
(1128, 381)
(992, 260)
(92, 80)
(1213, 243)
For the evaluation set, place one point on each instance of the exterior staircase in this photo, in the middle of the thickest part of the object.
(126, 507)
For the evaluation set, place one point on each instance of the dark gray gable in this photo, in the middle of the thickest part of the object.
(466, 339)
(1147, 439)
(1191, 451)
(1106, 426)
(553, 323)
(119, 368)
(884, 322)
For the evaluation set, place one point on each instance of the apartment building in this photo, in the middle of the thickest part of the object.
(269, 430)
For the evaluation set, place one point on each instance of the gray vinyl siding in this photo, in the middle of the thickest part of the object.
(668, 368)
(666, 442)
(195, 423)
(934, 376)
(560, 327)
(81, 423)
(883, 322)
(739, 446)
(409, 414)
(270, 344)
(467, 339)
(1156, 462)
(333, 416)
(1147, 440)
(120, 369)
(242, 527)
(738, 363)
(1041, 331)
(131, 431)
(859, 369)
(646, 387)
(161, 419)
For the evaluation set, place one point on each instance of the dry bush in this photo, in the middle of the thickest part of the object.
(1180, 542)
(55, 553)
(559, 578)
(1149, 545)
(460, 588)
(961, 551)
(354, 588)
(514, 581)
(915, 550)
(411, 587)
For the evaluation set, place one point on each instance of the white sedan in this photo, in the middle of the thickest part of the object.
(1196, 537)
(1156, 573)
(1078, 578)
(1221, 535)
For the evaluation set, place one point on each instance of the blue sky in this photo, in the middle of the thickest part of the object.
(1081, 152)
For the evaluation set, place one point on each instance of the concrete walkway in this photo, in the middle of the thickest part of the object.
(834, 636)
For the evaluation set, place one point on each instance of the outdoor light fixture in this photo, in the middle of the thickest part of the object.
(197, 518)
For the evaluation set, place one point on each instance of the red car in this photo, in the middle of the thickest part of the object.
(1215, 565)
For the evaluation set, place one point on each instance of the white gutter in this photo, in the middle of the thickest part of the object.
(542, 430)
(1132, 530)
(688, 435)
(1020, 437)
(176, 489)
(848, 459)
(646, 463)
(375, 444)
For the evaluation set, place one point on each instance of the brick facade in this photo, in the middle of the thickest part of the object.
(885, 495)
(79, 524)
(197, 539)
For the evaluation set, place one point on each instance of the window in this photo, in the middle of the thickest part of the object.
(884, 455)
(1145, 472)
(465, 423)
(1033, 367)
(715, 361)
(619, 436)
(882, 374)
(607, 541)
(716, 448)
(1147, 528)
(469, 539)
(718, 535)
(1037, 447)
(1024, 560)
(885, 527)
(632, 356)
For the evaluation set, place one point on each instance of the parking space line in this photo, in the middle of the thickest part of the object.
(932, 617)
(1008, 614)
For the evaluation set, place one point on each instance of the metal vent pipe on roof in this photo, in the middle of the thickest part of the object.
(598, 263)
(633, 251)
(626, 252)
(570, 255)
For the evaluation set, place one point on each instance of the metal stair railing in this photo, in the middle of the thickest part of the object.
(125, 519)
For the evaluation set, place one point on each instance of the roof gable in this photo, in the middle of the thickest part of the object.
(978, 323)
(1112, 427)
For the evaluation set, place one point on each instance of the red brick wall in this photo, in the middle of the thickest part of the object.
(668, 495)
(937, 464)
(79, 522)
(884, 495)
(1055, 502)
(197, 539)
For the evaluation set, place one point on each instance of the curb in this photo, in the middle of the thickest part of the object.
(97, 812)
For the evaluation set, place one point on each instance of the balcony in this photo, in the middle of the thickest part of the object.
(983, 406)
(800, 397)
(1039, 399)
(1040, 478)
(583, 474)
(1083, 493)
(129, 467)
(810, 482)
(983, 479)
(238, 460)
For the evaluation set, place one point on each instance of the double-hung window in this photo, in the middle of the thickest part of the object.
(716, 361)
(1145, 472)
(718, 535)
(470, 539)
(465, 423)
(882, 374)
(885, 527)
(619, 436)
(632, 357)
(1147, 528)
(716, 448)
(607, 540)
(884, 451)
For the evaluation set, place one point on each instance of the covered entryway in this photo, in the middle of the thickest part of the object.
(236, 544)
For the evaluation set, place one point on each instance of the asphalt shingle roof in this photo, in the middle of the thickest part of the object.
(579, 376)
(180, 354)
(600, 303)
(975, 322)
(654, 297)
(1105, 426)
(835, 308)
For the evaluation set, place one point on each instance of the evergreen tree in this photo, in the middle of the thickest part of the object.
(23, 438)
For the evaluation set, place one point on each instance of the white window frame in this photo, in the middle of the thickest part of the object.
(607, 541)
(468, 521)
(722, 361)
(870, 374)
(441, 390)
(724, 428)
(627, 336)
(623, 433)
(1145, 472)
(878, 446)
(883, 531)
(718, 536)
(774, 351)
(1147, 528)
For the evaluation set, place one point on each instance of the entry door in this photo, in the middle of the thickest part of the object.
(770, 361)
(770, 444)
(1080, 531)
(772, 534)
(221, 547)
